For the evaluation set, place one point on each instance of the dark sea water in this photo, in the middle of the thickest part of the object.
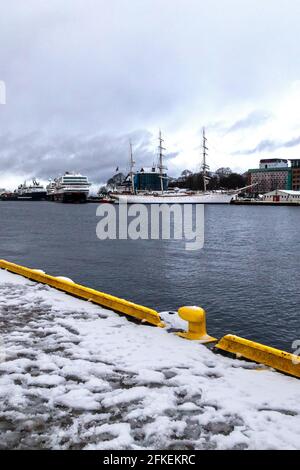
(247, 276)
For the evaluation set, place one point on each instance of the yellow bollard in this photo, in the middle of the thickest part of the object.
(196, 317)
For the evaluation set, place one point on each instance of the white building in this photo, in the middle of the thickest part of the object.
(282, 195)
(267, 163)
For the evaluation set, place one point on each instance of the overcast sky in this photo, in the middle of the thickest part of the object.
(84, 76)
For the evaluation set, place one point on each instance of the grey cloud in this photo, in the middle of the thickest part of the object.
(97, 156)
(292, 143)
(269, 146)
(254, 119)
(107, 68)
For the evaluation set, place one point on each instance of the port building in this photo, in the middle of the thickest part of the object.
(149, 179)
(273, 173)
(282, 196)
(295, 174)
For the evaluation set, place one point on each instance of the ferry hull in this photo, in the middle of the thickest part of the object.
(25, 197)
(70, 197)
(35, 196)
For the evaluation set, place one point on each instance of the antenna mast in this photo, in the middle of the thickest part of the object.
(204, 166)
(132, 162)
(160, 166)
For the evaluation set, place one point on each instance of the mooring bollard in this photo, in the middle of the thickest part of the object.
(196, 317)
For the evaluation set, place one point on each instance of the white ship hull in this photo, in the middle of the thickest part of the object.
(200, 198)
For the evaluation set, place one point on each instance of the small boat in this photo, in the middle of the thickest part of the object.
(9, 196)
(101, 199)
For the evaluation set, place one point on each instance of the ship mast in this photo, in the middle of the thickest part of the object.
(132, 162)
(204, 166)
(160, 165)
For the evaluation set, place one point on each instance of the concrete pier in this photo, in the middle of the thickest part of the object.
(75, 375)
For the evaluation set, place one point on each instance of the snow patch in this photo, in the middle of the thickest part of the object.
(77, 376)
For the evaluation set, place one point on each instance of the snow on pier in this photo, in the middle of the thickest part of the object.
(76, 376)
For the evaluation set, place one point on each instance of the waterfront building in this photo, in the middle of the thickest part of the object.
(272, 174)
(282, 196)
(268, 163)
(149, 179)
(295, 175)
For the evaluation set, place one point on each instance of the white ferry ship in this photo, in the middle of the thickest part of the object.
(71, 187)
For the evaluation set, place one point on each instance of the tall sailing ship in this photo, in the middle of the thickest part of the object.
(140, 195)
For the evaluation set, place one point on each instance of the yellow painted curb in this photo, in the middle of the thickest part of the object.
(275, 358)
(105, 300)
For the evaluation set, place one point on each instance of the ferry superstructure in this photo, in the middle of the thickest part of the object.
(71, 187)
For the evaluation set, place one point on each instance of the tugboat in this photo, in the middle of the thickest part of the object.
(71, 187)
(9, 196)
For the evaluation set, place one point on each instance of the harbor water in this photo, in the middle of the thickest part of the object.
(247, 276)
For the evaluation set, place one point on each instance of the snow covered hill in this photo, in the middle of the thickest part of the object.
(74, 375)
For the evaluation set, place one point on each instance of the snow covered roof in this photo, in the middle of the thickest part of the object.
(289, 191)
(285, 191)
(74, 375)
